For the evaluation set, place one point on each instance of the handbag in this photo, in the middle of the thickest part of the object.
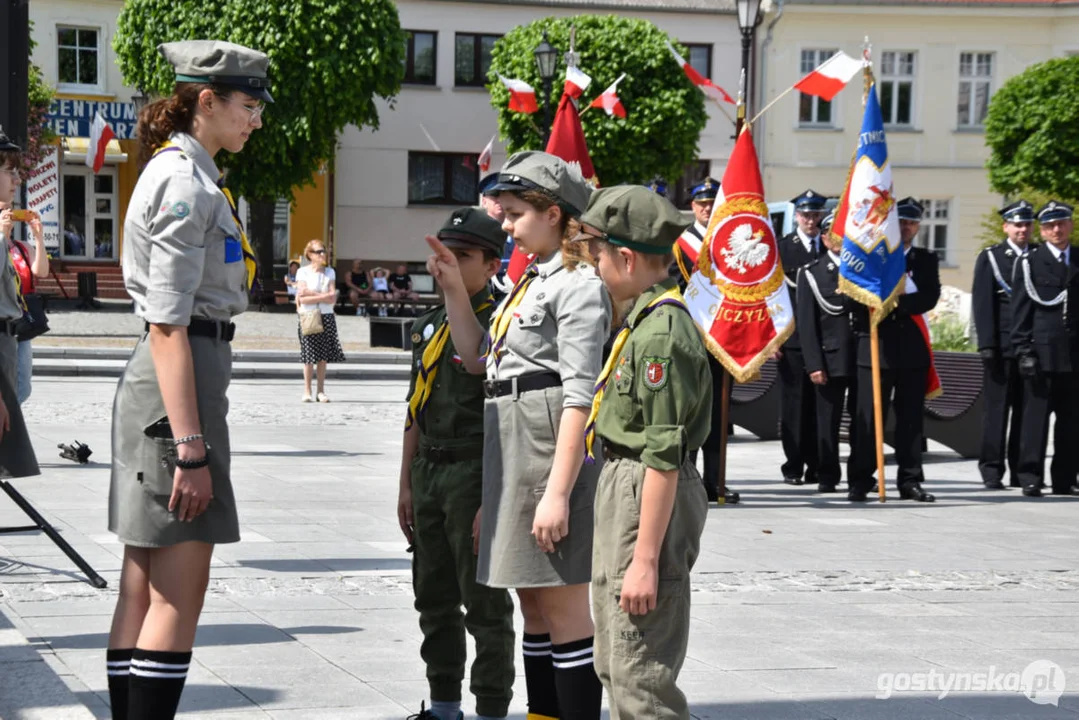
(311, 322)
(33, 322)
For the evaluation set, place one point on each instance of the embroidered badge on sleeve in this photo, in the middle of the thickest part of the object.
(655, 372)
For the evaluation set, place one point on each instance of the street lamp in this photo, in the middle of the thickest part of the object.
(547, 64)
(749, 16)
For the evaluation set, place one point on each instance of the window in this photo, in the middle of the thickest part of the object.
(420, 57)
(77, 56)
(472, 59)
(897, 88)
(813, 110)
(692, 174)
(443, 178)
(933, 233)
(975, 85)
(700, 59)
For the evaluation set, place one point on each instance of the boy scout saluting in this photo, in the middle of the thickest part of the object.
(652, 408)
(441, 488)
(188, 267)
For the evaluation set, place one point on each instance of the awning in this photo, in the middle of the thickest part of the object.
(75, 151)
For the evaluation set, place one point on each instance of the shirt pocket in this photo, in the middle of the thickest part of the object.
(622, 374)
(225, 266)
(530, 330)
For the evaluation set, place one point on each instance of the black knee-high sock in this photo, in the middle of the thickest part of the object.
(580, 693)
(157, 680)
(539, 676)
(118, 666)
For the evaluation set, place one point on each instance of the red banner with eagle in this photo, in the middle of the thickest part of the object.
(736, 294)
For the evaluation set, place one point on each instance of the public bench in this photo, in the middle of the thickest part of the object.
(755, 405)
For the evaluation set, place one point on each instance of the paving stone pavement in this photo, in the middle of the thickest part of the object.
(804, 607)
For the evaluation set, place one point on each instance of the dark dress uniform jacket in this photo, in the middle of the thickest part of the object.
(1050, 333)
(827, 340)
(991, 297)
(794, 256)
(902, 346)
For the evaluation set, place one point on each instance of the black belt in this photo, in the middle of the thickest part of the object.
(446, 455)
(611, 451)
(524, 383)
(216, 329)
(7, 327)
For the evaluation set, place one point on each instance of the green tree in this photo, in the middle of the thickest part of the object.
(40, 135)
(329, 60)
(665, 110)
(1032, 131)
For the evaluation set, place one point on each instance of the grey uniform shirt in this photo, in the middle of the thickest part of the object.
(10, 309)
(183, 256)
(560, 326)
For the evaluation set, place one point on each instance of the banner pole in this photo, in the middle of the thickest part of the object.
(726, 405)
(878, 414)
(767, 107)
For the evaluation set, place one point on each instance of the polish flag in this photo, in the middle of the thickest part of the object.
(100, 134)
(706, 86)
(832, 76)
(485, 156)
(522, 95)
(610, 101)
(576, 82)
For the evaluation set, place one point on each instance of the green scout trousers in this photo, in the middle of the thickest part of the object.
(638, 658)
(445, 499)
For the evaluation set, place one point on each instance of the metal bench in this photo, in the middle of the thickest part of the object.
(755, 405)
(395, 332)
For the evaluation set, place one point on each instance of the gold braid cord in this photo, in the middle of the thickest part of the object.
(737, 293)
(751, 371)
(880, 308)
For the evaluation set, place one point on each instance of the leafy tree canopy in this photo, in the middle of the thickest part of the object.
(665, 110)
(1032, 131)
(990, 232)
(329, 59)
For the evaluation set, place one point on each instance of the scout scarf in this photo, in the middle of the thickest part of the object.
(250, 263)
(500, 323)
(417, 405)
(671, 297)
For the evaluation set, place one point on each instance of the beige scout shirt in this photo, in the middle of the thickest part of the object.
(560, 326)
(182, 252)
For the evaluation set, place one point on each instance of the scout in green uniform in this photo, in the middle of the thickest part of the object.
(652, 408)
(441, 488)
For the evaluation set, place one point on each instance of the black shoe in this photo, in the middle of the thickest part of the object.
(730, 497)
(712, 492)
(826, 488)
(794, 481)
(994, 485)
(1032, 491)
(1015, 483)
(1073, 491)
(857, 496)
(914, 491)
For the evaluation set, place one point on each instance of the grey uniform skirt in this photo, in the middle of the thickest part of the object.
(518, 452)
(141, 486)
(16, 453)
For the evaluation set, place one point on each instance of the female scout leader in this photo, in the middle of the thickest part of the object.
(542, 357)
(188, 267)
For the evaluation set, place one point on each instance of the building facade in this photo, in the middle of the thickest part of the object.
(937, 64)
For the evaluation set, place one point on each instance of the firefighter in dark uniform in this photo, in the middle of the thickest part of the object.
(995, 274)
(797, 396)
(1045, 340)
(904, 368)
(828, 345)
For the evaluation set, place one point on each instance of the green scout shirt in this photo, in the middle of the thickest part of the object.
(659, 400)
(455, 408)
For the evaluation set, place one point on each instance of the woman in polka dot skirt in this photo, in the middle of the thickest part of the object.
(316, 289)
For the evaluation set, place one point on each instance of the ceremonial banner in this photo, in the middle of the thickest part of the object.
(737, 295)
(872, 266)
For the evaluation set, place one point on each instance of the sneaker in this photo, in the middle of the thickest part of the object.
(322, 398)
(306, 397)
(423, 714)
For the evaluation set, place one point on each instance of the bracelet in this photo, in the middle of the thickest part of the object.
(187, 439)
(193, 464)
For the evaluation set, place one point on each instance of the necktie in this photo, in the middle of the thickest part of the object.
(500, 323)
(429, 367)
(671, 297)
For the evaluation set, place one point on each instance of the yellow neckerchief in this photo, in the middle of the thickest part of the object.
(500, 323)
(250, 263)
(432, 354)
(670, 297)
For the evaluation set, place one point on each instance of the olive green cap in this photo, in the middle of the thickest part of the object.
(634, 217)
(471, 227)
(221, 63)
(533, 170)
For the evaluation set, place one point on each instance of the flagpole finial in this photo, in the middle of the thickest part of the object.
(572, 57)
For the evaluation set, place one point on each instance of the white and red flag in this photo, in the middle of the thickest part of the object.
(609, 101)
(737, 295)
(485, 156)
(576, 82)
(832, 76)
(522, 95)
(706, 86)
(100, 135)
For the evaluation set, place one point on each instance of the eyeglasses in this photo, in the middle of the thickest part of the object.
(318, 252)
(12, 172)
(254, 110)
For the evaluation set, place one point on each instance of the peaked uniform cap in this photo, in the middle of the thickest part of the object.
(6, 144)
(221, 63)
(534, 170)
(487, 183)
(1055, 210)
(910, 209)
(636, 218)
(707, 189)
(658, 186)
(810, 201)
(472, 227)
(1018, 212)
